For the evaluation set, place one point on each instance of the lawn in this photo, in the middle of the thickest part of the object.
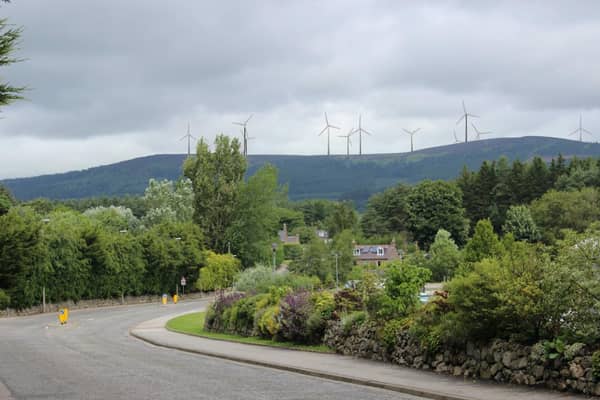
(193, 324)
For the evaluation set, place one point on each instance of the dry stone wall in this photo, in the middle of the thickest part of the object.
(499, 360)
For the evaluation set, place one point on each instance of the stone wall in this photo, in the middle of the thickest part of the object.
(93, 303)
(499, 360)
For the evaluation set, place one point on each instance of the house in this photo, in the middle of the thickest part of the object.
(288, 239)
(323, 235)
(375, 253)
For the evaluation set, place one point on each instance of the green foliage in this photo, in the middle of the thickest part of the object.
(435, 205)
(315, 261)
(168, 202)
(554, 348)
(9, 38)
(216, 180)
(261, 279)
(556, 211)
(116, 219)
(256, 216)
(171, 250)
(596, 364)
(219, 271)
(403, 282)
(342, 217)
(6, 200)
(484, 243)
(23, 256)
(386, 212)
(520, 223)
(4, 300)
(315, 212)
(353, 320)
(444, 257)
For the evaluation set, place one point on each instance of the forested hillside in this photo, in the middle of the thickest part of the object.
(333, 177)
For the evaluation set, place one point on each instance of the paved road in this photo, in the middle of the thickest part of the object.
(95, 358)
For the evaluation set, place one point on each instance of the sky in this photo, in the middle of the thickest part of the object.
(110, 80)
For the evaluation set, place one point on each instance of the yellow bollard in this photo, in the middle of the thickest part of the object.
(175, 299)
(63, 315)
(164, 299)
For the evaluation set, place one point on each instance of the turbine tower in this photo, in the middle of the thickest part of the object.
(244, 133)
(327, 128)
(479, 133)
(412, 134)
(581, 130)
(348, 141)
(455, 137)
(189, 139)
(466, 116)
(360, 131)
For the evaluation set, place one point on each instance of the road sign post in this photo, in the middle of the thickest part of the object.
(183, 283)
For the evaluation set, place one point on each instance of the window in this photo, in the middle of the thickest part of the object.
(380, 251)
(357, 251)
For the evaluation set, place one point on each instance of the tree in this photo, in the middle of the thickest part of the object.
(23, 256)
(403, 282)
(315, 261)
(315, 211)
(435, 205)
(219, 272)
(216, 180)
(343, 216)
(343, 247)
(9, 38)
(484, 243)
(114, 218)
(168, 202)
(6, 200)
(255, 221)
(386, 212)
(444, 256)
(539, 179)
(520, 223)
(171, 250)
(556, 211)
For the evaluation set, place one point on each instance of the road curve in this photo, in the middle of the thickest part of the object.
(94, 357)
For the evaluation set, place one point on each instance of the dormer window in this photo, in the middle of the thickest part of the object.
(380, 251)
(357, 251)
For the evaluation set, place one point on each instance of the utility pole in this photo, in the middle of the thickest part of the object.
(337, 277)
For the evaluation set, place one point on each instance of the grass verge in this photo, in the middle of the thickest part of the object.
(193, 324)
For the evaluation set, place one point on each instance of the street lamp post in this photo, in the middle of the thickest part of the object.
(274, 248)
(337, 276)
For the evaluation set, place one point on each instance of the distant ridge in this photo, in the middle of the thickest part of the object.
(334, 177)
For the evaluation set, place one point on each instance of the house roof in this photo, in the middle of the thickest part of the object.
(370, 252)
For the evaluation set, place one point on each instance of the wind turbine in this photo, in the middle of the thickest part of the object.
(360, 131)
(479, 133)
(581, 130)
(466, 116)
(455, 137)
(244, 133)
(411, 133)
(348, 141)
(327, 129)
(189, 138)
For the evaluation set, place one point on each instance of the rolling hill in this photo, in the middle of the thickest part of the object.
(335, 177)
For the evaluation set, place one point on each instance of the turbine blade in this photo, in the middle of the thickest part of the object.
(416, 130)
(586, 131)
(323, 131)
(574, 132)
(464, 107)
(460, 119)
(326, 120)
(406, 130)
(367, 132)
(238, 123)
(334, 127)
(249, 118)
(183, 137)
(473, 115)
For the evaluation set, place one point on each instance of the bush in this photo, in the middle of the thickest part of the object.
(292, 251)
(4, 300)
(219, 271)
(347, 300)
(596, 364)
(218, 314)
(353, 320)
(261, 279)
(295, 310)
(268, 322)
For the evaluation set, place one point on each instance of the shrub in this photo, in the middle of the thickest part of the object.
(390, 331)
(292, 251)
(4, 300)
(219, 312)
(596, 364)
(353, 320)
(261, 278)
(295, 310)
(219, 271)
(323, 307)
(268, 322)
(347, 300)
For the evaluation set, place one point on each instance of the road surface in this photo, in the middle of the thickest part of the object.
(94, 357)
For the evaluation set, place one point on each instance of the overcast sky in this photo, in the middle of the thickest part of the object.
(112, 80)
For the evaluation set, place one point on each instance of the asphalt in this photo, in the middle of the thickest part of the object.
(94, 356)
(344, 369)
